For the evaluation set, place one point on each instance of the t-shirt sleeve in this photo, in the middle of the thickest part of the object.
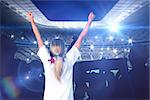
(72, 55)
(43, 54)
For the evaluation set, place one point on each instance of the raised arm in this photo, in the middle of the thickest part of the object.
(35, 30)
(84, 31)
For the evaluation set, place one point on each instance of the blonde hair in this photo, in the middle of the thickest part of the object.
(58, 65)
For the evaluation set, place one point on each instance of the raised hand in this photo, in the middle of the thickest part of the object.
(30, 16)
(91, 16)
(35, 30)
(85, 30)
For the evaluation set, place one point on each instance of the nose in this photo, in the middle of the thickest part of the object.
(57, 49)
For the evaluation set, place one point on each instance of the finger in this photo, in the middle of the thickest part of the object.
(91, 13)
(28, 14)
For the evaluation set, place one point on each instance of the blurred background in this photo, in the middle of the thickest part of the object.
(114, 62)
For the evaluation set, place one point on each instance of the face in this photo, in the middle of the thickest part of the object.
(56, 50)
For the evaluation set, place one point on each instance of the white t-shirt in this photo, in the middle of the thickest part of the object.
(55, 90)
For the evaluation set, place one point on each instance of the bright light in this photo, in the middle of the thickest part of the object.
(130, 41)
(114, 27)
(92, 47)
(114, 50)
(22, 38)
(108, 48)
(91, 57)
(27, 77)
(128, 50)
(96, 37)
(40, 75)
(46, 42)
(101, 53)
(56, 37)
(111, 38)
(28, 59)
(122, 39)
(146, 64)
(34, 42)
(102, 48)
(32, 53)
(125, 50)
(104, 72)
(12, 36)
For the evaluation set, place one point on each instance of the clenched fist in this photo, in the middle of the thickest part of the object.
(30, 16)
(91, 16)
